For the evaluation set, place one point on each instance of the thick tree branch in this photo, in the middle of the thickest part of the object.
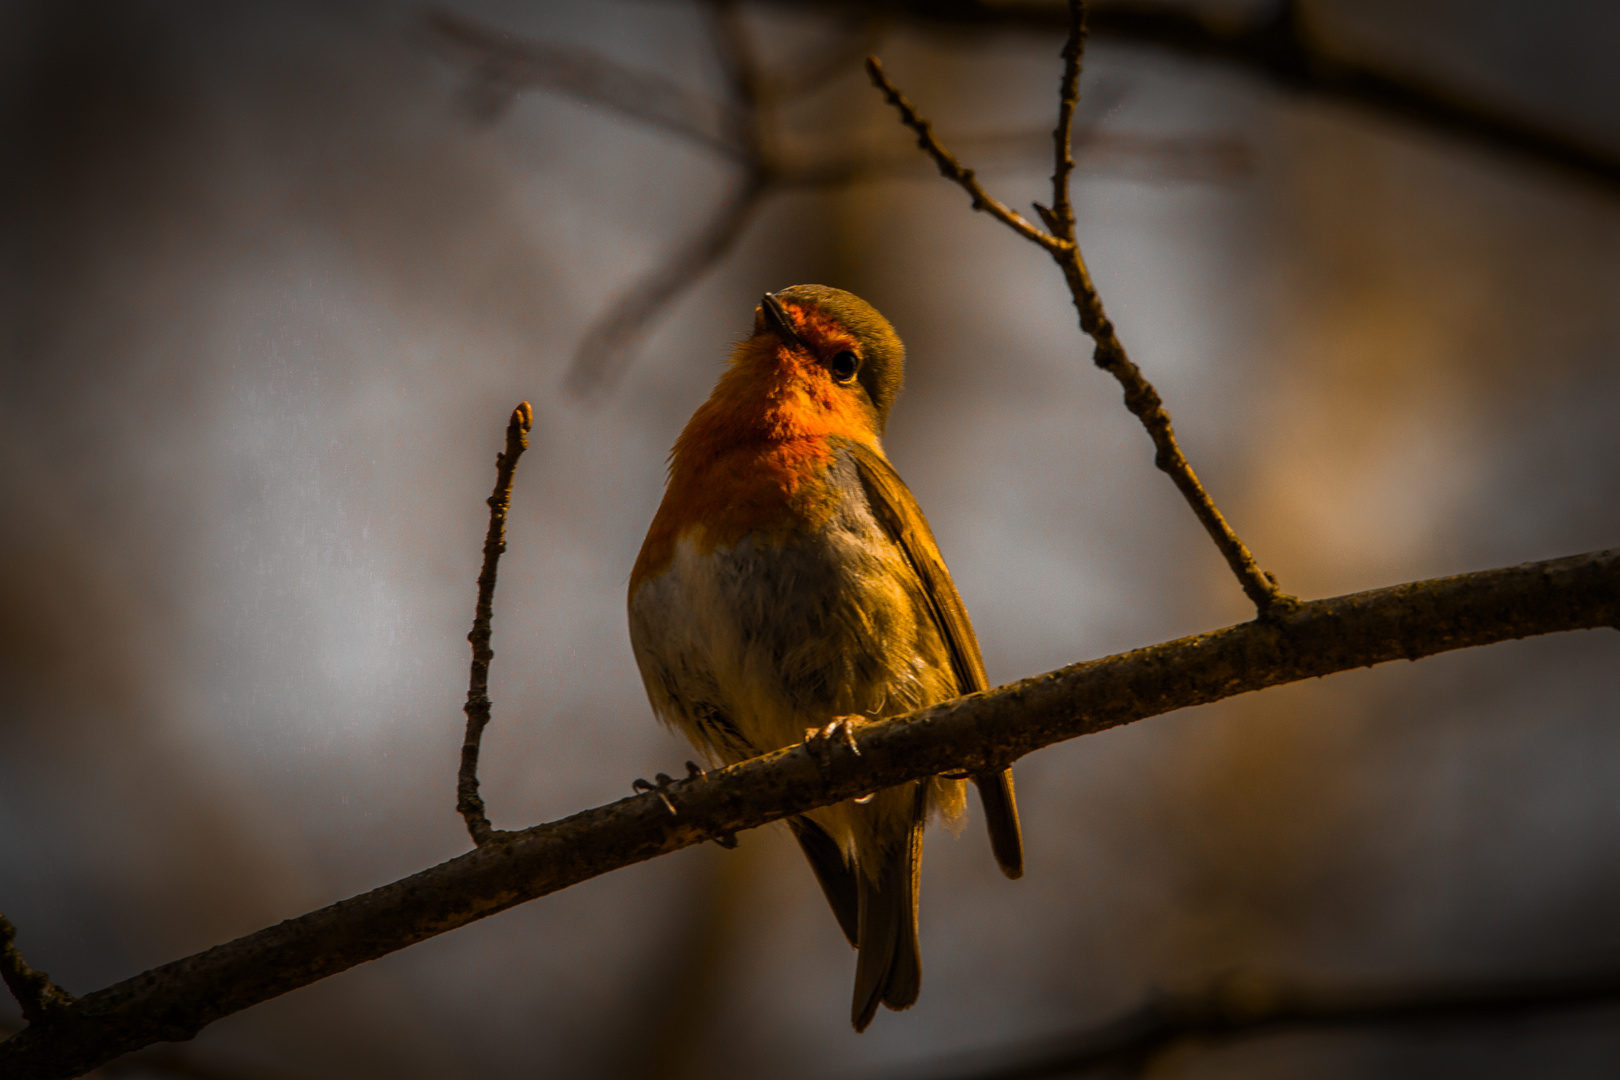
(980, 733)
(36, 995)
(468, 802)
(1244, 1007)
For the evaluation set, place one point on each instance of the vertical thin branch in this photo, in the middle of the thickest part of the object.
(468, 802)
(34, 991)
(1109, 354)
(1061, 218)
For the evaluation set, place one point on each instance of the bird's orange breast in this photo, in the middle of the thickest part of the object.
(755, 457)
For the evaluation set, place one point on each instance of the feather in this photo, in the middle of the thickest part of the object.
(897, 512)
(889, 967)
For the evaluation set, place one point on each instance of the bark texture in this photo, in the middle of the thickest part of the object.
(980, 733)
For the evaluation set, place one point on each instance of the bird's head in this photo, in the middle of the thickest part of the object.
(833, 341)
(821, 366)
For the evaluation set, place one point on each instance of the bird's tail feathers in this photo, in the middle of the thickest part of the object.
(1001, 818)
(888, 970)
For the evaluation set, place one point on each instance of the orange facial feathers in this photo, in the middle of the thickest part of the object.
(754, 457)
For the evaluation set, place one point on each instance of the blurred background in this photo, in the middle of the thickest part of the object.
(276, 273)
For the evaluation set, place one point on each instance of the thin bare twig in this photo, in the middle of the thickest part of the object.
(1245, 1007)
(1140, 396)
(468, 802)
(36, 995)
(952, 169)
(976, 734)
(1061, 218)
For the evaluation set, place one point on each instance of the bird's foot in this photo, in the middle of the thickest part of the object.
(663, 781)
(694, 771)
(820, 740)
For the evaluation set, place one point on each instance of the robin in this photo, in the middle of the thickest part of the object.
(790, 589)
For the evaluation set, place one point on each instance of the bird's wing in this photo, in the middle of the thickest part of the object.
(899, 515)
(897, 512)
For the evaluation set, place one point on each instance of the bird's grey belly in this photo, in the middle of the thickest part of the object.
(745, 647)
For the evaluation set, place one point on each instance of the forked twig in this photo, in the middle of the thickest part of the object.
(952, 169)
(1140, 397)
(468, 802)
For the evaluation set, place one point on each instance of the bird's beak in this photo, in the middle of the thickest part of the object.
(776, 317)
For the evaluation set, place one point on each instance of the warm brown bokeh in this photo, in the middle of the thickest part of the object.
(271, 293)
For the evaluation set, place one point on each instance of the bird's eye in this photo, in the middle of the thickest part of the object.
(843, 365)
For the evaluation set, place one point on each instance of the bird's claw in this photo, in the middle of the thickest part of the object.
(663, 781)
(820, 741)
(694, 771)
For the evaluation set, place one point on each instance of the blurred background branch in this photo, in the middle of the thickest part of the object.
(505, 64)
(1246, 1005)
(1283, 48)
(181, 1062)
(746, 127)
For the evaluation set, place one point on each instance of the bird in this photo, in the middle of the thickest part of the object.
(789, 589)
